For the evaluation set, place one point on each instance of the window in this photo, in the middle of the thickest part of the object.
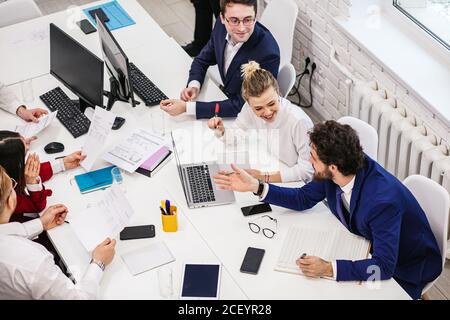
(433, 16)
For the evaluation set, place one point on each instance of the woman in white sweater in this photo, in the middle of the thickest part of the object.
(266, 110)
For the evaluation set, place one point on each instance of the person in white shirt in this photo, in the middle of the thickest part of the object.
(10, 103)
(286, 125)
(27, 269)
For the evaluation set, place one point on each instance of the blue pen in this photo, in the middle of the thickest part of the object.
(168, 207)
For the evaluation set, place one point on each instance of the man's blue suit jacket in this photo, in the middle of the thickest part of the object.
(261, 47)
(385, 212)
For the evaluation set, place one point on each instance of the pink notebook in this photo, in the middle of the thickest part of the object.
(152, 162)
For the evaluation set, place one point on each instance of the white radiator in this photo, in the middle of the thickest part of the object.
(405, 146)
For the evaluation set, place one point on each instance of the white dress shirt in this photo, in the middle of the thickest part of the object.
(28, 271)
(8, 100)
(231, 49)
(292, 125)
(347, 191)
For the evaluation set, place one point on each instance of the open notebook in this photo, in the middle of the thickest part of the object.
(328, 244)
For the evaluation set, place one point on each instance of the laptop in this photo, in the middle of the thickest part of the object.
(198, 186)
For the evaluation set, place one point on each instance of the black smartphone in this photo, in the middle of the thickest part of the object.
(86, 26)
(138, 232)
(252, 260)
(255, 209)
(118, 122)
(100, 13)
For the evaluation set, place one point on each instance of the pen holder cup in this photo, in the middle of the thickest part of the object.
(170, 222)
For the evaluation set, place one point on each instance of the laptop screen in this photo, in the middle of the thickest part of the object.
(177, 159)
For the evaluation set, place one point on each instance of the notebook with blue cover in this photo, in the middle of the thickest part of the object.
(118, 17)
(95, 180)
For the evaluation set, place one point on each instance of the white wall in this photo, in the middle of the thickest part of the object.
(315, 33)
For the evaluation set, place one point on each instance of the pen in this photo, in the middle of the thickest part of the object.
(60, 157)
(168, 206)
(303, 255)
(162, 210)
(216, 112)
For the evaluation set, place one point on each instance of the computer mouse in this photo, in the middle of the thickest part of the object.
(54, 147)
(118, 122)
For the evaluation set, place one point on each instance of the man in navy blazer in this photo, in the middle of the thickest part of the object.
(236, 39)
(368, 201)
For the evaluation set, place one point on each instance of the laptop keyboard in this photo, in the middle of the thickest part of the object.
(200, 183)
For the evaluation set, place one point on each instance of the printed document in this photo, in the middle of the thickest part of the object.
(104, 219)
(99, 130)
(134, 150)
(31, 129)
(328, 244)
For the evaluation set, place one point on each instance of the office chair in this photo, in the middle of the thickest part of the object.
(436, 209)
(15, 11)
(286, 79)
(280, 17)
(368, 136)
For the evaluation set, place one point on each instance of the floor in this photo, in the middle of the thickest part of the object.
(176, 17)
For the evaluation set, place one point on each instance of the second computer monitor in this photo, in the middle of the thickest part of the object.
(117, 65)
(78, 68)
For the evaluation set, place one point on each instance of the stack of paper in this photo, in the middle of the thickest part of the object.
(155, 162)
(134, 150)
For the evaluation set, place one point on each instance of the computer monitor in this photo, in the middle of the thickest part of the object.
(77, 68)
(117, 65)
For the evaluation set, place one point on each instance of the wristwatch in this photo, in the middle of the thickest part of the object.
(100, 264)
(260, 188)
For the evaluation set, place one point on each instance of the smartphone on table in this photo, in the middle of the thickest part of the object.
(252, 260)
(86, 26)
(138, 232)
(255, 209)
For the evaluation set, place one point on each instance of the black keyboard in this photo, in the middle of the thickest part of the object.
(68, 112)
(200, 183)
(144, 88)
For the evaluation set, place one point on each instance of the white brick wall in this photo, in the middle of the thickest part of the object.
(315, 33)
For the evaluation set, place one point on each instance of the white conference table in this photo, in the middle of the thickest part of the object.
(214, 234)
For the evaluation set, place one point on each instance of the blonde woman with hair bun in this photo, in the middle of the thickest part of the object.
(266, 109)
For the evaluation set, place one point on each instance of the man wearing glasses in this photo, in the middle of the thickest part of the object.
(236, 39)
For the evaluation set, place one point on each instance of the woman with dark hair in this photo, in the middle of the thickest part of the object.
(30, 173)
